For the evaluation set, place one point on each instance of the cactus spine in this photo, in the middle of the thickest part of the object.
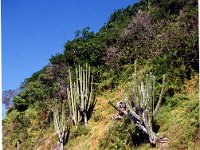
(60, 124)
(80, 94)
(141, 104)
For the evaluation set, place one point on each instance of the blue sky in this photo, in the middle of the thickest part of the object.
(33, 30)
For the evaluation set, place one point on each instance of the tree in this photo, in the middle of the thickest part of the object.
(7, 97)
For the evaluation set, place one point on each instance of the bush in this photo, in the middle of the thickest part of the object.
(178, 120)
(123, 135)
(20, 104)
(81, 130)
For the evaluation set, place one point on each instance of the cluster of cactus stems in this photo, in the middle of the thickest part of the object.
(142, 106)
(80, 95)
(60, 124)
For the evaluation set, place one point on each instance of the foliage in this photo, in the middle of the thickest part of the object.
(57, 59)
(34, 76)
(179, 120)
(81, 130)
(86, 48)
(161, 34)
(7, 97)
(30, 95)
(123, 135)
(165, 8)
(17, 123)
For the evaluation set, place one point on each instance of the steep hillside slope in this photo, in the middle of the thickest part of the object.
(162, 37)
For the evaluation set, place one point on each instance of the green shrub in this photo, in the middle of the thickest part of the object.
(179, 120)
(20, 104)
(81, 130)
(123, 135)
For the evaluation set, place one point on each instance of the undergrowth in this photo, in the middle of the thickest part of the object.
(123, 135)
(179, 120)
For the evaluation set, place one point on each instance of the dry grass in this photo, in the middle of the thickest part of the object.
(46, 142)
(192, 86)
(176, 128)
(98, 128)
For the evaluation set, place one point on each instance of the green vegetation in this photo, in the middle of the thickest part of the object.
(180, 121)
(162, 35)
(120, 136)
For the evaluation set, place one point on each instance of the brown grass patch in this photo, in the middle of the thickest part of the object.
(98, 128)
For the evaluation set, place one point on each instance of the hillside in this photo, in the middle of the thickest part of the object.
(153, 37)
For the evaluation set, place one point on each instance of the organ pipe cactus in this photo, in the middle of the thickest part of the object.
(80, 94)
(142, 105)
(72, 93)
(60, 124)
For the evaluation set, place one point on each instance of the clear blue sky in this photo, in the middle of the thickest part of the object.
(33, 30)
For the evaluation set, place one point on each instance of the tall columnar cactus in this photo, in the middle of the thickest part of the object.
(18, 147)
(80, 94)
(72, 93)
(60, 124)
(142, 106)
